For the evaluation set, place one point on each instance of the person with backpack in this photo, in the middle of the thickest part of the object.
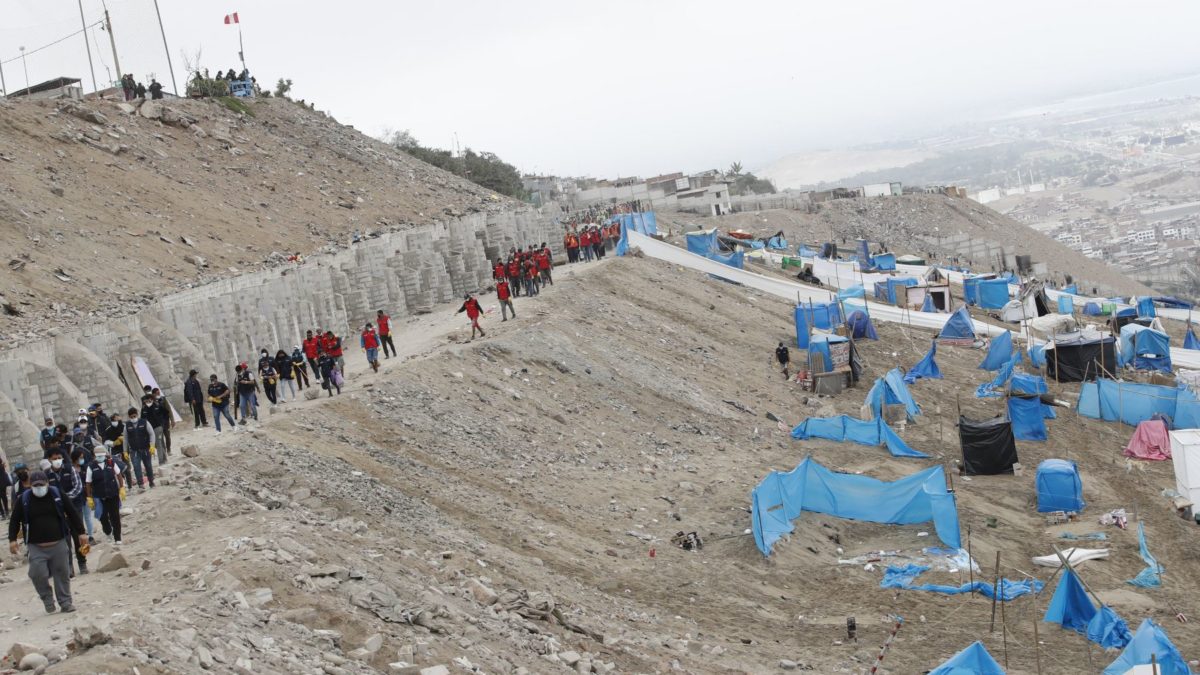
(47, 521)
(104, 487)
(64, 478)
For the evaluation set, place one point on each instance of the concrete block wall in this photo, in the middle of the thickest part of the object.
(212, 327)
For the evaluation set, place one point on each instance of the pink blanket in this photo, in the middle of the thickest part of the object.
(1150, 441)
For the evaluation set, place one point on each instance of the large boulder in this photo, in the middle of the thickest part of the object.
(151, 110)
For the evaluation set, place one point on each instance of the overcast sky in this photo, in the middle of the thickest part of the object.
(627, 87)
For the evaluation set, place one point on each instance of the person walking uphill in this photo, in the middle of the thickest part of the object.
(474, 311)
(193, 395)
(505, 298)
(369, 341)
(218, 395)
(103, 485)
(139, 441)
(784, 358)
(299, 368)
(385, 333)
(312, 348)
(47, 520)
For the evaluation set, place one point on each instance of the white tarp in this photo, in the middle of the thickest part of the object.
(1073, 556)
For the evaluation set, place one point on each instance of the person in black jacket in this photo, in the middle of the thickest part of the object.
(139, 442)
(66, 479)
(193, 395)
(299, 368)
(283, 366)
(47, 520)
(784, 358)
(218, 395)
(5, 484)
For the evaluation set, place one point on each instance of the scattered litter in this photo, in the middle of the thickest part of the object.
(1115, 517)
(1150, 577)
(1098, 536)
(1074, 556)
(903, 577)
(688, 541)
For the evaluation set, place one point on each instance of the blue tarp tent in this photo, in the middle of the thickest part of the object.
(886, 289)
(1133, 403)
(819, 345)
(1145, 348)
(1066, 305)
(1145, 307)
(1073, 289)
(959, 327)
(1108, 630)
(860, 326)
(928, 305)
(1093, 309)
(902, 576)
(844, 428)
(705, 243)
(778, 243)
(1070, 606)
(1189, 339)
(1000, 351)
(884, 261)
(974, 660)
(1172, 302)
(806, 252)
(995, 388)
(993, 293)
(644, 223)
(918, 498)
(1037, 355)
(891, 389)
(926, 367)
(1150, 639)
(823, 316)
(971, 289)
(1059, 487)
(1028, 418)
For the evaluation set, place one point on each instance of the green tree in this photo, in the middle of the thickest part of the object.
(482, 168)
(282, 87)
(735, 169)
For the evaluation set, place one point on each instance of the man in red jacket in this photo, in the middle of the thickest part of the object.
(312, 347)
(499, 271)
(333, 347)
(505, 298)
(471, 307)
(544, 265)
(514, 273)
(385, 333)
(369, 341)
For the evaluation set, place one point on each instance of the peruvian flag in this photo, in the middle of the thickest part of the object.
(231, 18)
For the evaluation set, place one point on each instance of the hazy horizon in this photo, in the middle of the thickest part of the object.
(636, 88)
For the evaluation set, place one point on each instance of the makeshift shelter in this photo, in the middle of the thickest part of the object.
(1150, 441)
(928, 305)
(1059, 487)
(1031, 303)
(887, 289)
(1108, 630)
(1145, 348)
(909, 260)
(834, 351)
(1028, 416)
(1050, 326)
(974, 660)
(843, 428)
(1093, 309)
(706, 243)
(959, 329)
(917, 498)
(1189, 339)
(642, 223)
(1070, 606)
(1185, 456)
(926, 367)
(988, 447)
(1066, 305)
(1080, 359)
(822, 316)
(971, 287)
(1000, 351)
(860, 326)
(1145, 307)
(1149, 640)
(777, 242)
(890, 389)
(992, 293)
(1133, 403)
(995, 388)
(884, 261)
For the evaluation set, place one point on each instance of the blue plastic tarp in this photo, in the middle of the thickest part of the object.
(806, 252)
(702, 242)
(1189, 339)
(1028, 418)
(1145, 307)
(993, 293)
(974, 660)
(860, 326)
(1000, 351)
(902, 576)
(917, 498)
(886, 289)
(971, 289)
(1066, 305)
(1145, 348)
(823, 316)
(1070, 606)
(819, 345)
(1133, 403)
(1073, 289)
(1151, 576)
(927, 306)
(1059, 487)
(891, 389)
(926, 367)
(959, 326)
(1172, 302)
(1108, 630)
(1150, 639)
(884, 261)
(1037, 356)
(1093, 309)
(995, 388)
(778, 243)
(644, 223)
(864, 432)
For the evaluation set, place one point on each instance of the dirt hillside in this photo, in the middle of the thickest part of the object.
(494, 505)
(103, 208)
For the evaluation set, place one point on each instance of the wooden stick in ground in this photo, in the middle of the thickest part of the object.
(970, 561)
(995, 593)
(1067, 564)
(1037, 646)
(1004, 635)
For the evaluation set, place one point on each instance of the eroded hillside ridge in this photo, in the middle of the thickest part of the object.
(211, 327)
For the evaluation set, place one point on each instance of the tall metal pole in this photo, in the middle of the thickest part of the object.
(25, 65)
(113, 41)
(3, 85)
(166, 49)
(241, 47)
(92, 68)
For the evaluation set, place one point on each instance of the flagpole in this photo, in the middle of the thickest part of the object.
(174, 87)
(241, 47)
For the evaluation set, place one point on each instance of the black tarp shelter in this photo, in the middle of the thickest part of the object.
(988, 446)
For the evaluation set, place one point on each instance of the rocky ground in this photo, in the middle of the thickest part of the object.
(911, 224)
(507, 505)
(107, 206)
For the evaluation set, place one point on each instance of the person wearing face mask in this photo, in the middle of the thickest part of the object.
(66, 480)
(115, 433)
(20, 481)
(79, 462)
(47, 521)
(193, 395)
(47, 433)
(218, 396)
(168, 422)
(103, 485)
(270, 377)
(139, 442)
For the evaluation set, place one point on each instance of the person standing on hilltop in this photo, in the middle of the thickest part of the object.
(156, 90)
(474, 311)
(369, 341)
(385, 333)
(312, 347)
(193, 396)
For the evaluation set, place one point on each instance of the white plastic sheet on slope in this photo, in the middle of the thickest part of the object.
(788, 290)
(791, 290)
(1074, 556)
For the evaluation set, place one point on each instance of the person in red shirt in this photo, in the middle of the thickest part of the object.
(498, 272)
(543, 261)
(474, 311)
(514, 274)
(505, 298)
(312, 347)
(531, 278)
(571, 245)
(369, 341)
(333, 347)
(385, 333)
